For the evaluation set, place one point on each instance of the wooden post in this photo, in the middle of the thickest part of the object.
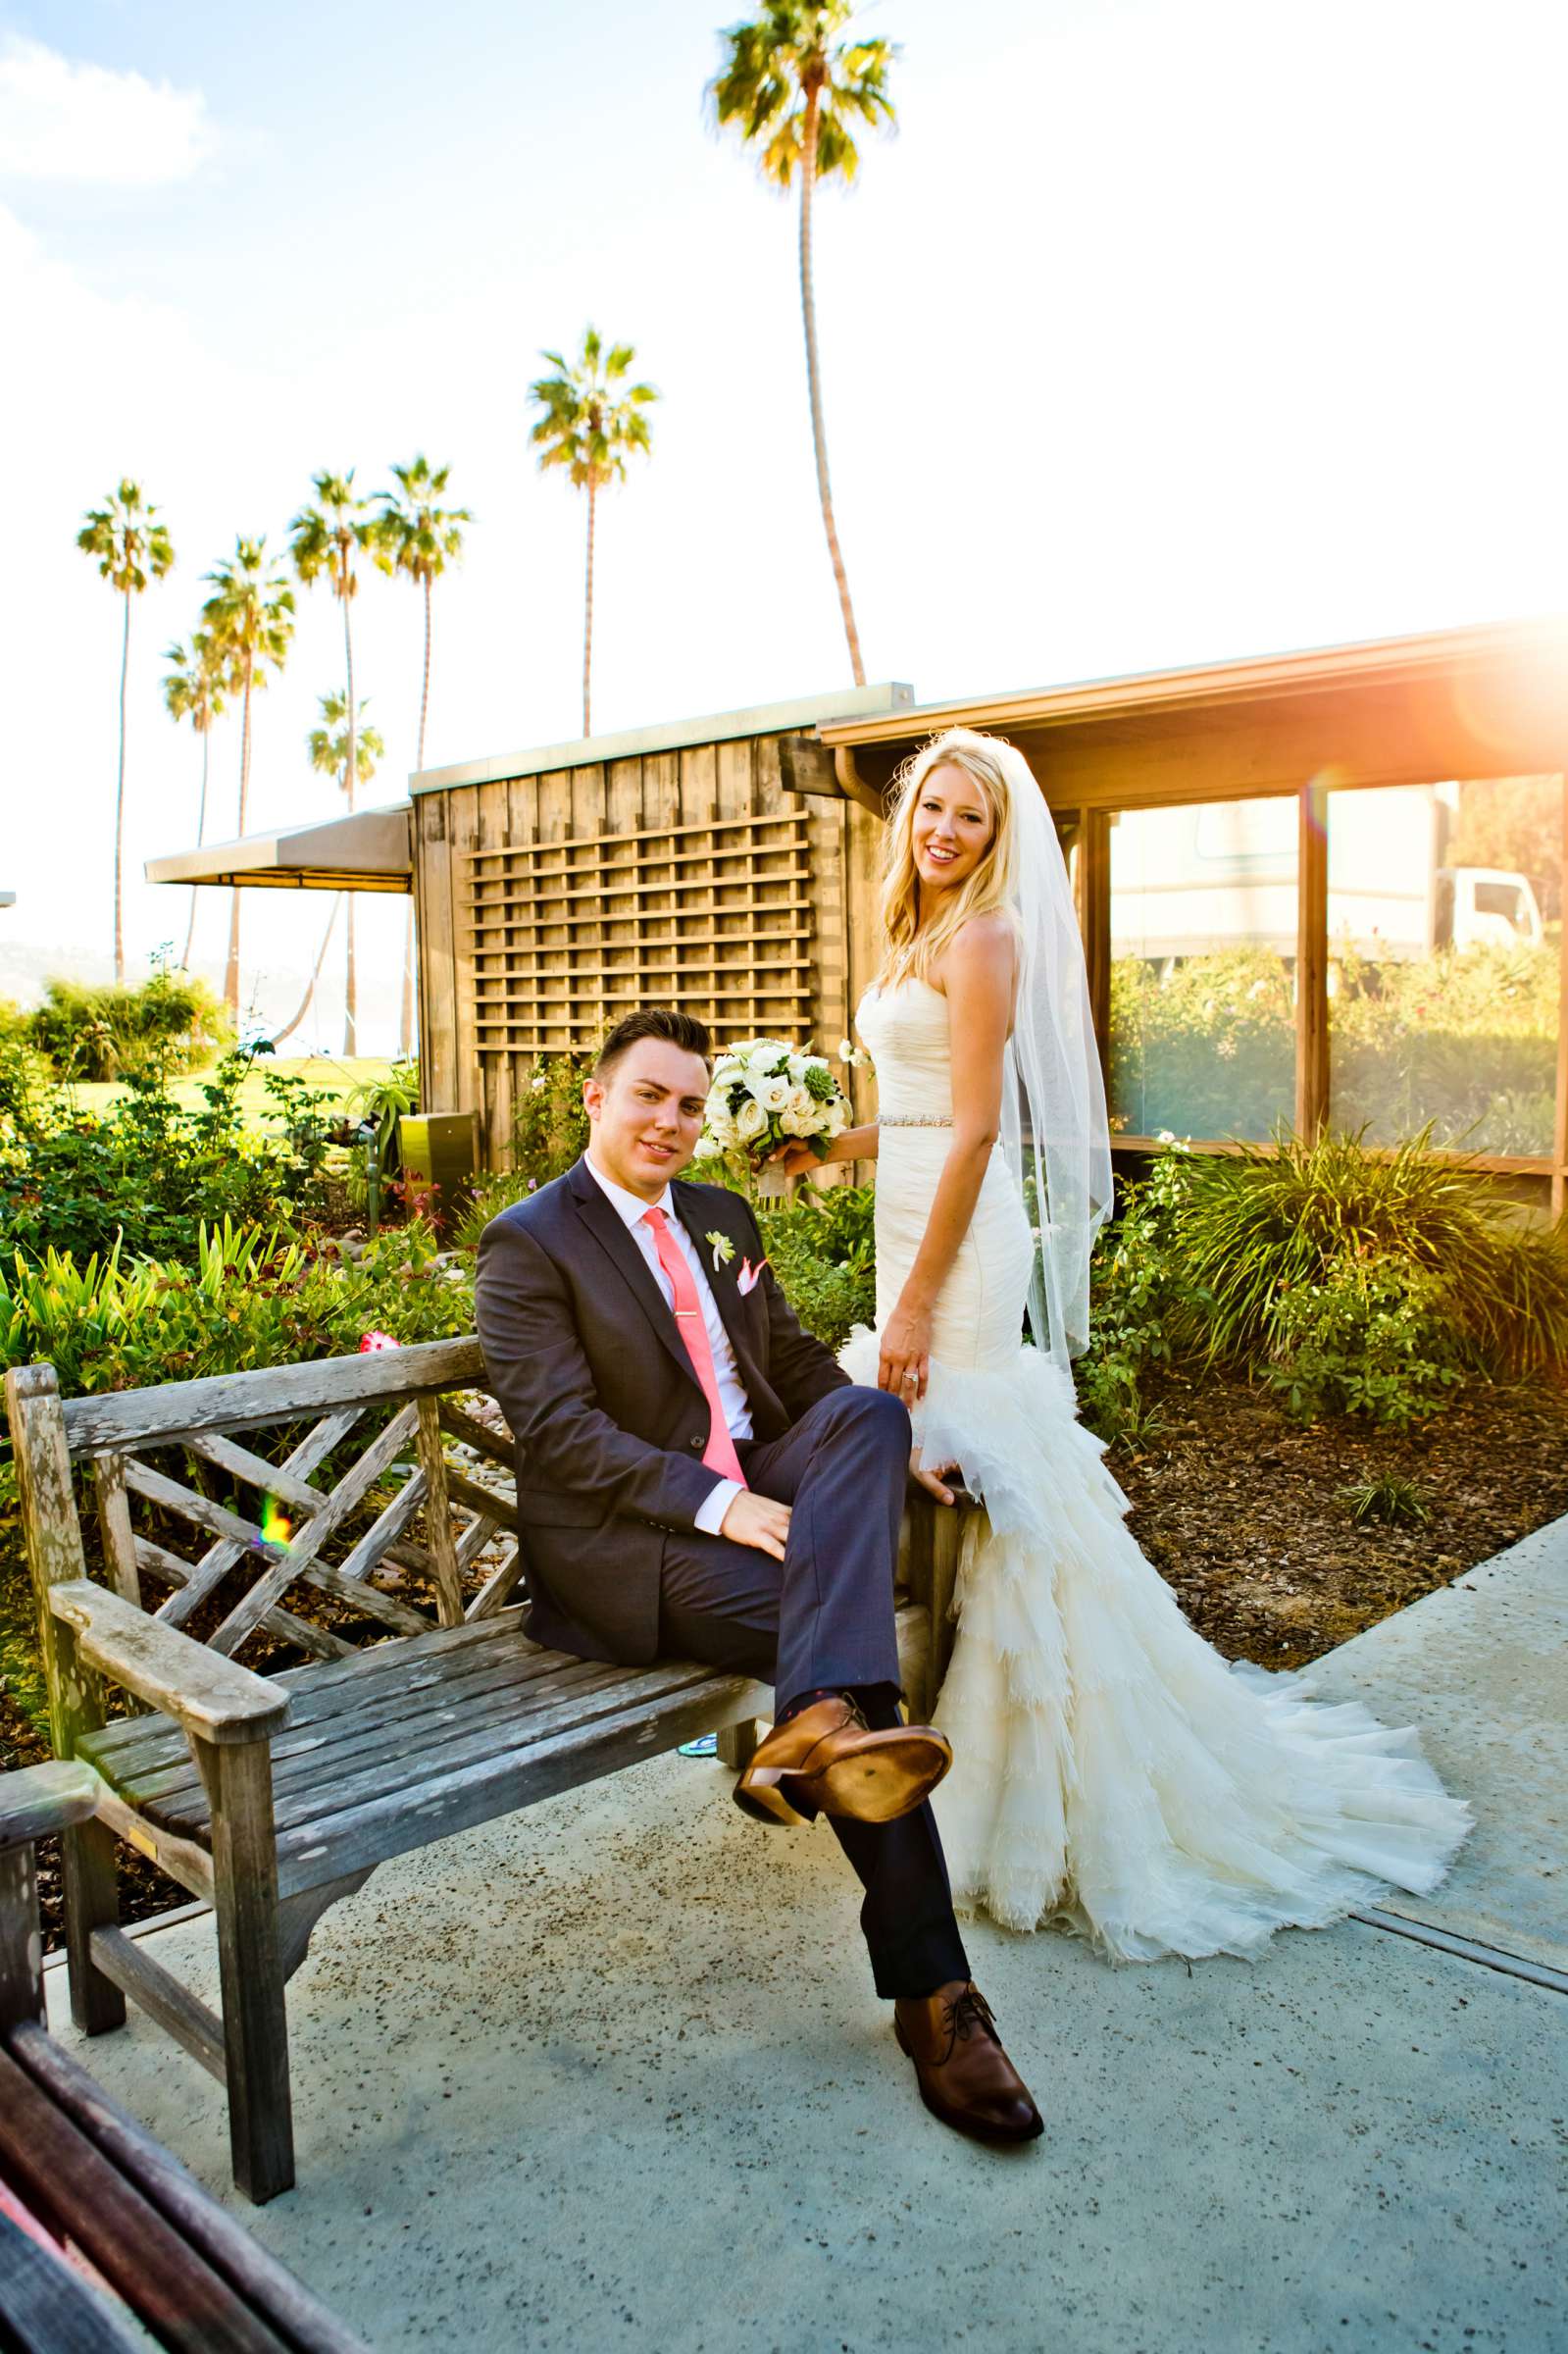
(1560, 1135)
(261, 2133)
(1312, 963)
(1093, 896)
(1559, 1124)
(52, 1534)
(38, 1799)
(438, 1516)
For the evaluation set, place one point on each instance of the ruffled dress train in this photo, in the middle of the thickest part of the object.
(1113, 1775)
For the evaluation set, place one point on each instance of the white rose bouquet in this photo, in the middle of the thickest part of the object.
(765, 1093)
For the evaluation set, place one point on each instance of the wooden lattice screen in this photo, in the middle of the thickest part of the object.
(568, 936)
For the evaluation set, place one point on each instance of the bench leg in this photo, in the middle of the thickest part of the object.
(92, 1874)
(737, 1744)
(250, 1961)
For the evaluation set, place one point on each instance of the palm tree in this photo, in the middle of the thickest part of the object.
(792, 88)
(326, 538)
(416, 536)
(250, 616)
(195, 689)
(589, 426)
(350, 755)
(131, 545)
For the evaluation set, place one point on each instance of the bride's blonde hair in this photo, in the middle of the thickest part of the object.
(911, 952)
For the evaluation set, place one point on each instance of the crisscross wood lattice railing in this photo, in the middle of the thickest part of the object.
(322, 1519)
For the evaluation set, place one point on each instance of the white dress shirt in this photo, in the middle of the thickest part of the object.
(633, 1212)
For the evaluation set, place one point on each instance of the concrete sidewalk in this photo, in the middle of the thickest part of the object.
(611, 2075)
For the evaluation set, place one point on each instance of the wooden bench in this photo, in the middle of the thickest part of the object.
(419, 1714)
(89, 2179)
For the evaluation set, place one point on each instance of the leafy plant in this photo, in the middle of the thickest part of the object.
(1390, 1498)
(822, 1251)
(492, 1193)
(150, 1173)
(1255, 1227)
(1141, 1293)
(550, 1126)
(1369, 1338)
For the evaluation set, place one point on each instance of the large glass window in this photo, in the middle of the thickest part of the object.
(1444, 932)
(1203, 937)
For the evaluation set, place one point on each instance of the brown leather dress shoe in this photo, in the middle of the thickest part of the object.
(827, 1757)
(965, 2077)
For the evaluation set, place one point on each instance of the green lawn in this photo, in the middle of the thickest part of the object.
(334, 1075)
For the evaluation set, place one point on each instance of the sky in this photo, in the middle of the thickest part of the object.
(1162, 332)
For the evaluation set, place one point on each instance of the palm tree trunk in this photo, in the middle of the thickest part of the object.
(587, 620)
(120, 807)
(232, 968)
(819, 438)
(425, 692)
(351, 987)
(289, 1028)
(350, 979)
(353, 715)
(201, 836)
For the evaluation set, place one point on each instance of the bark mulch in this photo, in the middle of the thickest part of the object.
(1243, 1513)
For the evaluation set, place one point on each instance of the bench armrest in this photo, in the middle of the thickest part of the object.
(169, 1669)
(41, 1799)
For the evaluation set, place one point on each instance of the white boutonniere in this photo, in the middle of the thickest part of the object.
(723, 1248)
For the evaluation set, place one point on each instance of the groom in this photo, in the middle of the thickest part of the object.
(699, 1479)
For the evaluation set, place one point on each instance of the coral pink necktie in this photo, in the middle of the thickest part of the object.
(720, 1452)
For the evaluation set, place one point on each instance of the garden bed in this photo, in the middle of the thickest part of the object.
(1243, 1512)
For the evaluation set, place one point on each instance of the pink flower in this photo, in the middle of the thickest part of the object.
(370, 1340)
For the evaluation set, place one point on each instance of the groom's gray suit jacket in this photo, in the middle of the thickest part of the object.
(587, 1363)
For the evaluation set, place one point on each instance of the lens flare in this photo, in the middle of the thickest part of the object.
(275, 1525)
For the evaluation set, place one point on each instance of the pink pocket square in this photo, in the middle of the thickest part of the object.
(746, 1280)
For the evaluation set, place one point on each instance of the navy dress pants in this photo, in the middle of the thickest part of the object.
(822, 1619)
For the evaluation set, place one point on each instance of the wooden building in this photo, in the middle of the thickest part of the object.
(730, 863)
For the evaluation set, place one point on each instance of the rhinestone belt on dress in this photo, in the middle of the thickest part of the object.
(914, 1119)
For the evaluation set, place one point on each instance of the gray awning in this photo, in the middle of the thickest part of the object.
(368, 850)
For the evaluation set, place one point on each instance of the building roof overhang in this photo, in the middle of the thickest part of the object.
(1484, 701)
(805, 712)
(369, 850)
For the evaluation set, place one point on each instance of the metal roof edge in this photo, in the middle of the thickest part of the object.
(1248, 675)
(356, 841)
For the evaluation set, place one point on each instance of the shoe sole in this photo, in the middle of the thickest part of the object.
(975, 2128)
(886, 1777)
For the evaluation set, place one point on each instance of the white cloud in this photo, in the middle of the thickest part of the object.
(63, 120)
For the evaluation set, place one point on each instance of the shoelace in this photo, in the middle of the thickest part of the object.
(968, 2012)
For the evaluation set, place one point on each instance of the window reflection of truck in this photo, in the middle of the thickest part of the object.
(1186, 882)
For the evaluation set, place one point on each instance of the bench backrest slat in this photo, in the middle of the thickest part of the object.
(226, 1402)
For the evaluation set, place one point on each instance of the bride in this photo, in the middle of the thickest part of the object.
(1113, 1776)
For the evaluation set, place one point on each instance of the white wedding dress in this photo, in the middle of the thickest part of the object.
(1113, 1775)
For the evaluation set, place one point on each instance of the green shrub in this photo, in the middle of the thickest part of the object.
(496, 1190)
(1464, 1040)
(251, 1297)
(550, 1126)
(1141, 1295)
(1371, 1338)
(170, 1023)
(149, 1174)
(1255, 1227)
(1390, 1498)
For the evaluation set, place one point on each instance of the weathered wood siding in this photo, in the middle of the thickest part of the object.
(550, 905)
